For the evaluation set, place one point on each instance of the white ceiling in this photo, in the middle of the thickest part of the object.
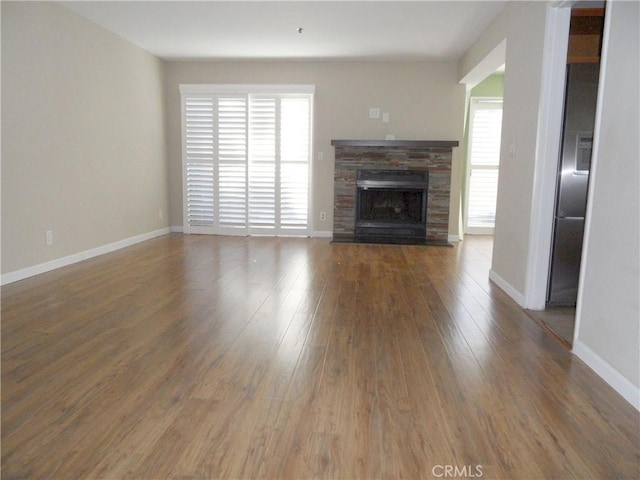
(375, 30)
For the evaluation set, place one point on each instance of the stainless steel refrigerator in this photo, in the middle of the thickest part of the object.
(573, 181)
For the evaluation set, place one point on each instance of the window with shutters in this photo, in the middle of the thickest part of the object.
(485, 126)
(247, 159)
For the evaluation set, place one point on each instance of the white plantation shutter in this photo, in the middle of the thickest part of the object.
(483, 191)
(246, 159)
(484, 159)
(294, 163)
(199, 165)
(232, 165)
(262, 164)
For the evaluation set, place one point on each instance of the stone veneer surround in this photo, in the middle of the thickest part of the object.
(353, 155)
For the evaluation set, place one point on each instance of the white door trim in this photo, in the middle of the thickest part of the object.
(547, 154)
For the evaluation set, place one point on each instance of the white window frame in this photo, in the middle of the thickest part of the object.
(247, 90)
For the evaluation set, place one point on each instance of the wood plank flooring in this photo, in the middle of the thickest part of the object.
(216, 357)
(559, 321)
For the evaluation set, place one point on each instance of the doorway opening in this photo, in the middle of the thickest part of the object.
(574, 158)
(482, 152)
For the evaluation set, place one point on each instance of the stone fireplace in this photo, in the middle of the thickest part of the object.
(391, 191)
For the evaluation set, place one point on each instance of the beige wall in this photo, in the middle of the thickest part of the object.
(608, 325)
(423, 100)
(83, 145)
(523, 25)
(521, 110)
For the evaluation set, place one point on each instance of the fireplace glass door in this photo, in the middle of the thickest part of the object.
(391, 204)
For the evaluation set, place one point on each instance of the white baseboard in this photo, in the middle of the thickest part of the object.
(177, 229)
(629, 391)
(453, 238)
(508, 289)
(80, 256)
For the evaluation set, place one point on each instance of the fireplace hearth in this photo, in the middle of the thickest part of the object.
(391, 206)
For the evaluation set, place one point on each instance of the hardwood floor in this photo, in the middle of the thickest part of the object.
(559, 321)
(218, 357)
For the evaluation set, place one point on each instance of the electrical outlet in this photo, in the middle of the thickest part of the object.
(49, 237)
(323, 216)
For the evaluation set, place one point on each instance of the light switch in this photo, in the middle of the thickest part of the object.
(374, 112)
(385, 118)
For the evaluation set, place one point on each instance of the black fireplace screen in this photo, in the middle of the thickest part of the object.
(391, 205)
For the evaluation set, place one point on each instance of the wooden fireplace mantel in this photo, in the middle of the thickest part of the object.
(396, 143)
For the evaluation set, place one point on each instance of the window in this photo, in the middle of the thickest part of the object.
(485, 128)
(246, 159)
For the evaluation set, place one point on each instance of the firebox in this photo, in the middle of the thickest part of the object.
(391, 205)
